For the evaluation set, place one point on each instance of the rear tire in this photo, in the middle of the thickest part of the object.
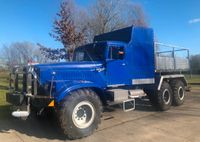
(178, 89)
(165, 97)
(80, 113)
(162, 99)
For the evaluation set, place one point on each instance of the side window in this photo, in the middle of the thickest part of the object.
(116, 53)
(79, 56)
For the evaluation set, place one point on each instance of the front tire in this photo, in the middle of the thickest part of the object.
(80, 113)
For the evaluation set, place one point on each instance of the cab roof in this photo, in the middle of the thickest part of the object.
(126, 35)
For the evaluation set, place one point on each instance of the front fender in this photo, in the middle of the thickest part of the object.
(74, 85)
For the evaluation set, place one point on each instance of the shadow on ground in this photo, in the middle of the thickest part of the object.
(46, 127)
(144, 105)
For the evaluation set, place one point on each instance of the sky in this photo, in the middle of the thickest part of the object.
(175, 22)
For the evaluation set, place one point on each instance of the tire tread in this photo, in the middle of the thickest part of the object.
(85, 93)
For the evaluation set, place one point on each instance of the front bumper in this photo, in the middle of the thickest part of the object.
(36, 101)
(24, 85)
(41, 101)
(15, 98)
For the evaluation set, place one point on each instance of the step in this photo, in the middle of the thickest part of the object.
(136, 93)
(20, 113)
(129, 105)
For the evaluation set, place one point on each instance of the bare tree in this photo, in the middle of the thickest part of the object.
(136, 16)
(75, 26)
(53, 54)
(105, 16)
(21, 53)
(111, 15)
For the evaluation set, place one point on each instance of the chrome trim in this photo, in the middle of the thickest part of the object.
(169, 76)
(52, 79)
(115, 85)
(143, 81)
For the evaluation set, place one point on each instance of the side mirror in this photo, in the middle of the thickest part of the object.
(121, 55)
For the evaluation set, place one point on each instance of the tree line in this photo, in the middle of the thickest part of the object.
(195, 64)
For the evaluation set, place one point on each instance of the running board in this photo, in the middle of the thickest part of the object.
(125, 97)
(137, 93)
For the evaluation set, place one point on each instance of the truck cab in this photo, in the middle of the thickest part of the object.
(116, 68)
(110, 54)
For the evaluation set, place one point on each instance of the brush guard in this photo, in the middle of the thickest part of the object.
(23, 90)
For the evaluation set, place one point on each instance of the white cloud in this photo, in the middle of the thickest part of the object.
(192, 21)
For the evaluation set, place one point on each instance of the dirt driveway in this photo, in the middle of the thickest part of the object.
(180, 124)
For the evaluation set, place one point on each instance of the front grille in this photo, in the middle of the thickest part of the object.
(23, 81)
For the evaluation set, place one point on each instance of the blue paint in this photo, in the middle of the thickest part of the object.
(137, 45)
(68, 86)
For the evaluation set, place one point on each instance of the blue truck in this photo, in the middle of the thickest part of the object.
(117, 68)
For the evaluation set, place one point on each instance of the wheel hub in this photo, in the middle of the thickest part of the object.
(181, 93)
(166, 96)
(83, 114)
(80, 113)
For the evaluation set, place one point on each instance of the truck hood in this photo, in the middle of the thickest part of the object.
(68, 71)
(69, 65)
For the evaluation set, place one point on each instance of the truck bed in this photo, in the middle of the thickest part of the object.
(174, 60)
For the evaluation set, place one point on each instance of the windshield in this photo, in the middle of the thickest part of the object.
(90, 52)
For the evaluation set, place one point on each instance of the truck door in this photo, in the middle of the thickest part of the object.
(116, 67)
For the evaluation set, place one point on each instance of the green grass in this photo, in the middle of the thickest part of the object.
(4, 106)
(3, 87)
(193, 78)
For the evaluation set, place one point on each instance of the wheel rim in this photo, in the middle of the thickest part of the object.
(166, 96)
(181, 93)
(83, 114)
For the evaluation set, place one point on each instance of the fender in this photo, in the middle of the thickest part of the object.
(175, 76)
(74, 85)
